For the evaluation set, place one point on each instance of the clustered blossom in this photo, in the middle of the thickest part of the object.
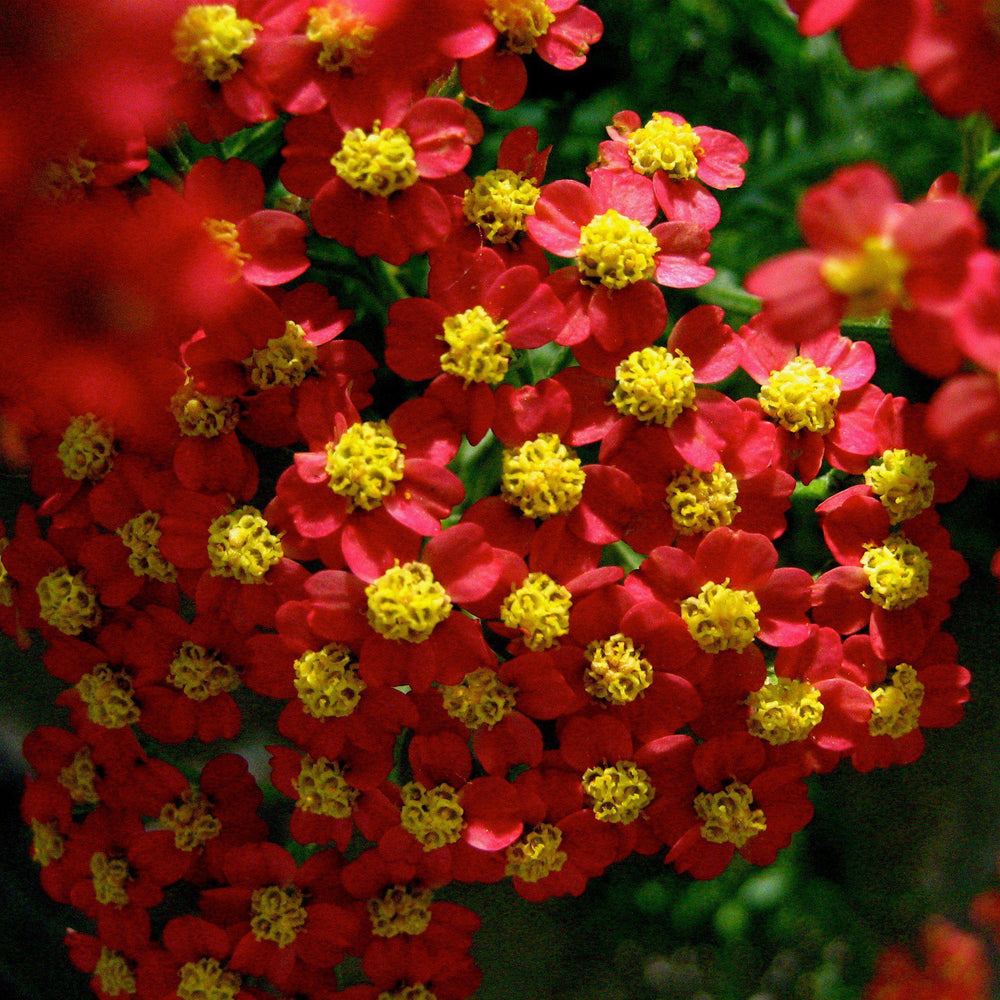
(529, 666)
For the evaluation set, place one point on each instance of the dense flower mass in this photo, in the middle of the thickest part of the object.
(526, 576)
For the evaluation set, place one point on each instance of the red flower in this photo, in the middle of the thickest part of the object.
(477, 314)
(898, 583)
(729, 593)
(872, 32)
(491, 67)
(406, 620)
(279, 914)
(819, 394)
(378, 193)
(871, 253)
(375, 490)
(676, 161)
(609, 294)
(719, 799)
(907, 697)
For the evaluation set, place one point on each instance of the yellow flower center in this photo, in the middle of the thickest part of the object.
(480, 699)
(498, 203)
(432, 815)
(872, 279)
(198, 415)
(802, 397)
(400, 911)
(616, 251)
(380, 162)
(365, 464)
(406, 603)
(543, 477)
(720, 617)
(477, 350)
(345, 39)
(700, 501)
(108, 695)
(241, 546)
(654, 385)
(521, 22)
(210, 38)
(728, 817)
(285, 360)
(898, 573)
(141, 536)
(110, 876)
(200, 673)
(784, 711)
(87, 448)
(226, 237)
(47, 843)
(67, 603)
(536, 854)
(896, 705)
(78, 778)
(277, 914)
(540, 608)
(66, 178)
(619, 793)
(327, 682)
(417, 991)
(902, 482)
(618, 671)
(191, 821)
(323, 790)
(662, 144)
(205, 979)
(113, 973)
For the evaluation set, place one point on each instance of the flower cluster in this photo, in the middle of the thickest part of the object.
(510, 624)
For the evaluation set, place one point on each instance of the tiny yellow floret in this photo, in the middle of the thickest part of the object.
(784, 711)
(543, 477)
(520, 22)
(898, 572)
(365, 464)
(210, 38)
(721, 618)
(87, 448)
(618, 793)
(477, 350)
(277, 914)
(728, 816)
(902, 482)
(499, 202)
(618, 672)
(662, 144)
(284, 360)
(700, 501)
(540, 608)
(345, 38)
(616, 251)
(802, 396)
(536, 853)
(896, 705)
(242, 546)
(401, 911)
(479, 699)
(433, 816)
(327, 682)
(406, 603)
(380, 162)
(654, 385)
